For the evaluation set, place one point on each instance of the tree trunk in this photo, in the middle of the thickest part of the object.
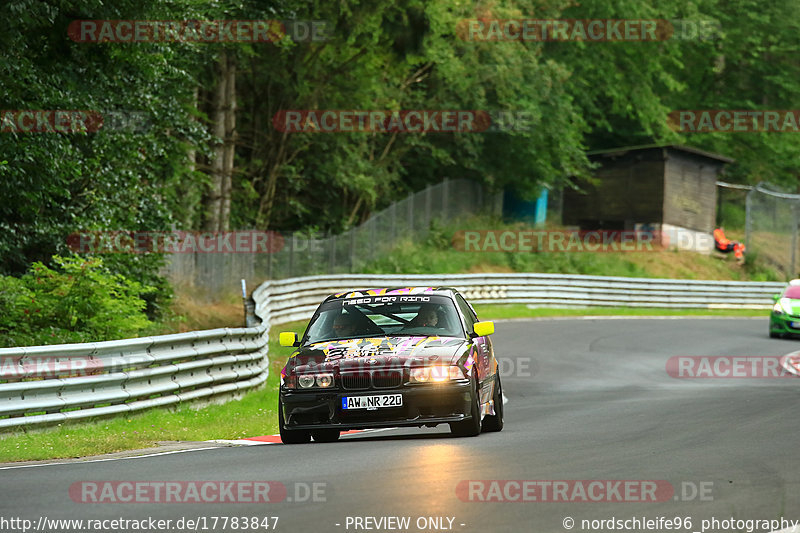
(190, 201)
(229, 145)
(217, 205)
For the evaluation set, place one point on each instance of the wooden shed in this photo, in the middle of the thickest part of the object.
(653, 185)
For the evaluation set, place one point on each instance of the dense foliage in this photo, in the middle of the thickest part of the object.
(78, 301)
(378, 55)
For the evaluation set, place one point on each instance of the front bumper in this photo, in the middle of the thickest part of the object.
(782, 324)
(423, 405)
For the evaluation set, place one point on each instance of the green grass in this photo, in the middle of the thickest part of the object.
(436, 253)
(253, 415)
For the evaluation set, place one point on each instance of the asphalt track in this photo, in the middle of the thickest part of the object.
(588, 399)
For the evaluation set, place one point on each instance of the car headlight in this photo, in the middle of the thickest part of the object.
(420, 375)
(324, 380)
(305, 381)
(784, 305)
(777, 308)
(435, 374)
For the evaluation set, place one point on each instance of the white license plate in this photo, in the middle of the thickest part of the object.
(795, 325)
(372, 402)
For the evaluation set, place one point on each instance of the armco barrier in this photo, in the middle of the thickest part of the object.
(48, 384)
(296, 298)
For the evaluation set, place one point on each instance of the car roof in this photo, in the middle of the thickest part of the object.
(794, 290)
(393, 291)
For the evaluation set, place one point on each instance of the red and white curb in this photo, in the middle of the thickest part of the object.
(791, 363)
(276, 439)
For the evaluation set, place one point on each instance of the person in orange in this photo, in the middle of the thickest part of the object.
(725, 245)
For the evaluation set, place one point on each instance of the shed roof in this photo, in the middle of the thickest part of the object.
(689, 149)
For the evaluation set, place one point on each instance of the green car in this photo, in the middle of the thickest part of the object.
(784, 320)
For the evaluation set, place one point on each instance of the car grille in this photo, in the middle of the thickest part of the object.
(382, 379)
(379, 379)
(355, 381)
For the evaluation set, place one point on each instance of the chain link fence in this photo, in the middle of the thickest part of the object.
(771, 228)
(215, 274)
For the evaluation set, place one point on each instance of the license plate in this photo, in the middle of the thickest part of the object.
(795, 325)
(372, 402)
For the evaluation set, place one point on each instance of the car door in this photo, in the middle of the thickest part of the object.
(482, 350)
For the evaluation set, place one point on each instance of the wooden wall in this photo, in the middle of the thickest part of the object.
(630, 189)
(690, 191)
(648, 186)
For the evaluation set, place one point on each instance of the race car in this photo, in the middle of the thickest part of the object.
(392, 357)
(784, 320)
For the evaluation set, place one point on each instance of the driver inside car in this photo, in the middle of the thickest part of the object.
(427, 317)
(344, 326)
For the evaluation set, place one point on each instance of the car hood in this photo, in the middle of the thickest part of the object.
(380, 352)
(792, 305)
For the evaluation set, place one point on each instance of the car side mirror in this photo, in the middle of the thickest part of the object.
(482, 329)
(288, 338)
(776, 298)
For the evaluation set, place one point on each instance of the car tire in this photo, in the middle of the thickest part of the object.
(495, 422)
(773, 335)
(471, 427)
(325, 435)
(291, 436)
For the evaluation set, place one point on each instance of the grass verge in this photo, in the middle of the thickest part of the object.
(436, 252)
(254, 414)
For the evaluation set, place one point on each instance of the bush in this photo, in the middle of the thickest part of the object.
(732, 216)
(80, 301)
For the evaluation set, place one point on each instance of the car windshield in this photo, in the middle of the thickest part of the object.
(792, 292)
(348, 318)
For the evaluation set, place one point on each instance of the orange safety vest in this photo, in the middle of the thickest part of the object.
(720, 239)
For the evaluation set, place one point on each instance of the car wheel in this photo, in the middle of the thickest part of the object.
(773, 335)
(495, 422)
(291, 436)
(471, 427)
(325, 435)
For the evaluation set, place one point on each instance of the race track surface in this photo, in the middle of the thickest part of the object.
(587, 399)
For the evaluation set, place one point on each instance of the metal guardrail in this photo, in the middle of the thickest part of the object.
(296, 298)
(50, 384)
